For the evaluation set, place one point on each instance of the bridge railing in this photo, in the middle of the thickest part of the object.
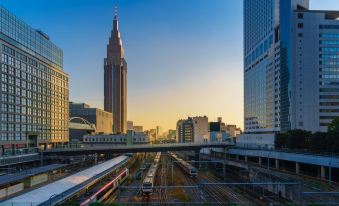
(116, 146)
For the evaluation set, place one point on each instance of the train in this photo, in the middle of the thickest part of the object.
(185, 166)
(148, 182)
(107, 190)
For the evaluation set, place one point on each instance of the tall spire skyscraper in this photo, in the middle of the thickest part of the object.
(115, 79)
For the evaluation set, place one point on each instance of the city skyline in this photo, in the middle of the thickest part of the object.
(161, 92)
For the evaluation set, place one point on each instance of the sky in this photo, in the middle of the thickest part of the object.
(184, 56)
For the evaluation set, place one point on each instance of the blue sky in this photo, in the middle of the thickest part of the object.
(184, 56)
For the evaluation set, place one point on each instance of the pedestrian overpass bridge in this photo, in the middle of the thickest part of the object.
(110, 148)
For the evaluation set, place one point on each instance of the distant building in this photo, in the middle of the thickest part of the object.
(134, 137)
(217, 126)
(218, 131)
(185, 131)
(201, 129)
(171, 134)
(233, 130)
(102, 120)
(34, 88)
(159, 131)
(193, 129)
(138, 128)
(153, 134)
(129, 125)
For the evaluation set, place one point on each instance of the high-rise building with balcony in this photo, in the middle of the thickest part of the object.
(34, 88)
(290, 65)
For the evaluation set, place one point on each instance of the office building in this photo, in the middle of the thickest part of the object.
(315, 91)
(201, 129)
(185, 131)
(233, 130)
(102, 120)
(34, 88)
(217, 126)
(115, 80)
(193, 129)
(290, 66)
(129, 125)
(218, 131)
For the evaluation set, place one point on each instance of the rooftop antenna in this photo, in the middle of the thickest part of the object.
(115, 10)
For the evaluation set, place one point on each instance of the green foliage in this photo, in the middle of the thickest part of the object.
(327, 142)
(294, 139)
(280, 140)
(334, 125)
(298, 139)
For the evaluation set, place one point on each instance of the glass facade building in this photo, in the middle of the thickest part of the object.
(282, 59)
(34, 88)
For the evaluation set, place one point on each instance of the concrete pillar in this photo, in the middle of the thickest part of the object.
(260, 161)
(297, 168)
(95, 158)
(323, 172)
(197, 158)
(276, 163)
(246, 158)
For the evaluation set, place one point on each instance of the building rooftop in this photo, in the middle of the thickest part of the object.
(7, 179)
(13, 29)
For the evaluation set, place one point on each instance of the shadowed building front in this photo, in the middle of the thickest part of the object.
(115, 80)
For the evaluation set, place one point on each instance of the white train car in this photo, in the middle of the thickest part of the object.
(185, 166)
(104, 192)
(43, 194)
(148, 183)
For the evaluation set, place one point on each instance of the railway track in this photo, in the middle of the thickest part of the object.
(163, 181)
(199, 195)
(232, 196)
(192, 182)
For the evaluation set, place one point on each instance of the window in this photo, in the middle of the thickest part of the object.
(4, 87)
(300, 15)
(4, 58)
(300, 25)
(4, 107)
(329, 26)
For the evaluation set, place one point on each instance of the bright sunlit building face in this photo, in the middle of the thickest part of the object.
(34, 88)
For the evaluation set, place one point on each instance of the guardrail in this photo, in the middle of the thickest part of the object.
(334, 155)
(11, 160)
(115, 146)
(22, 151)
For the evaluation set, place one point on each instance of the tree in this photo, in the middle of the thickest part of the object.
(318, 142)
(334, 125)
(280, 140)
(298, 139)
